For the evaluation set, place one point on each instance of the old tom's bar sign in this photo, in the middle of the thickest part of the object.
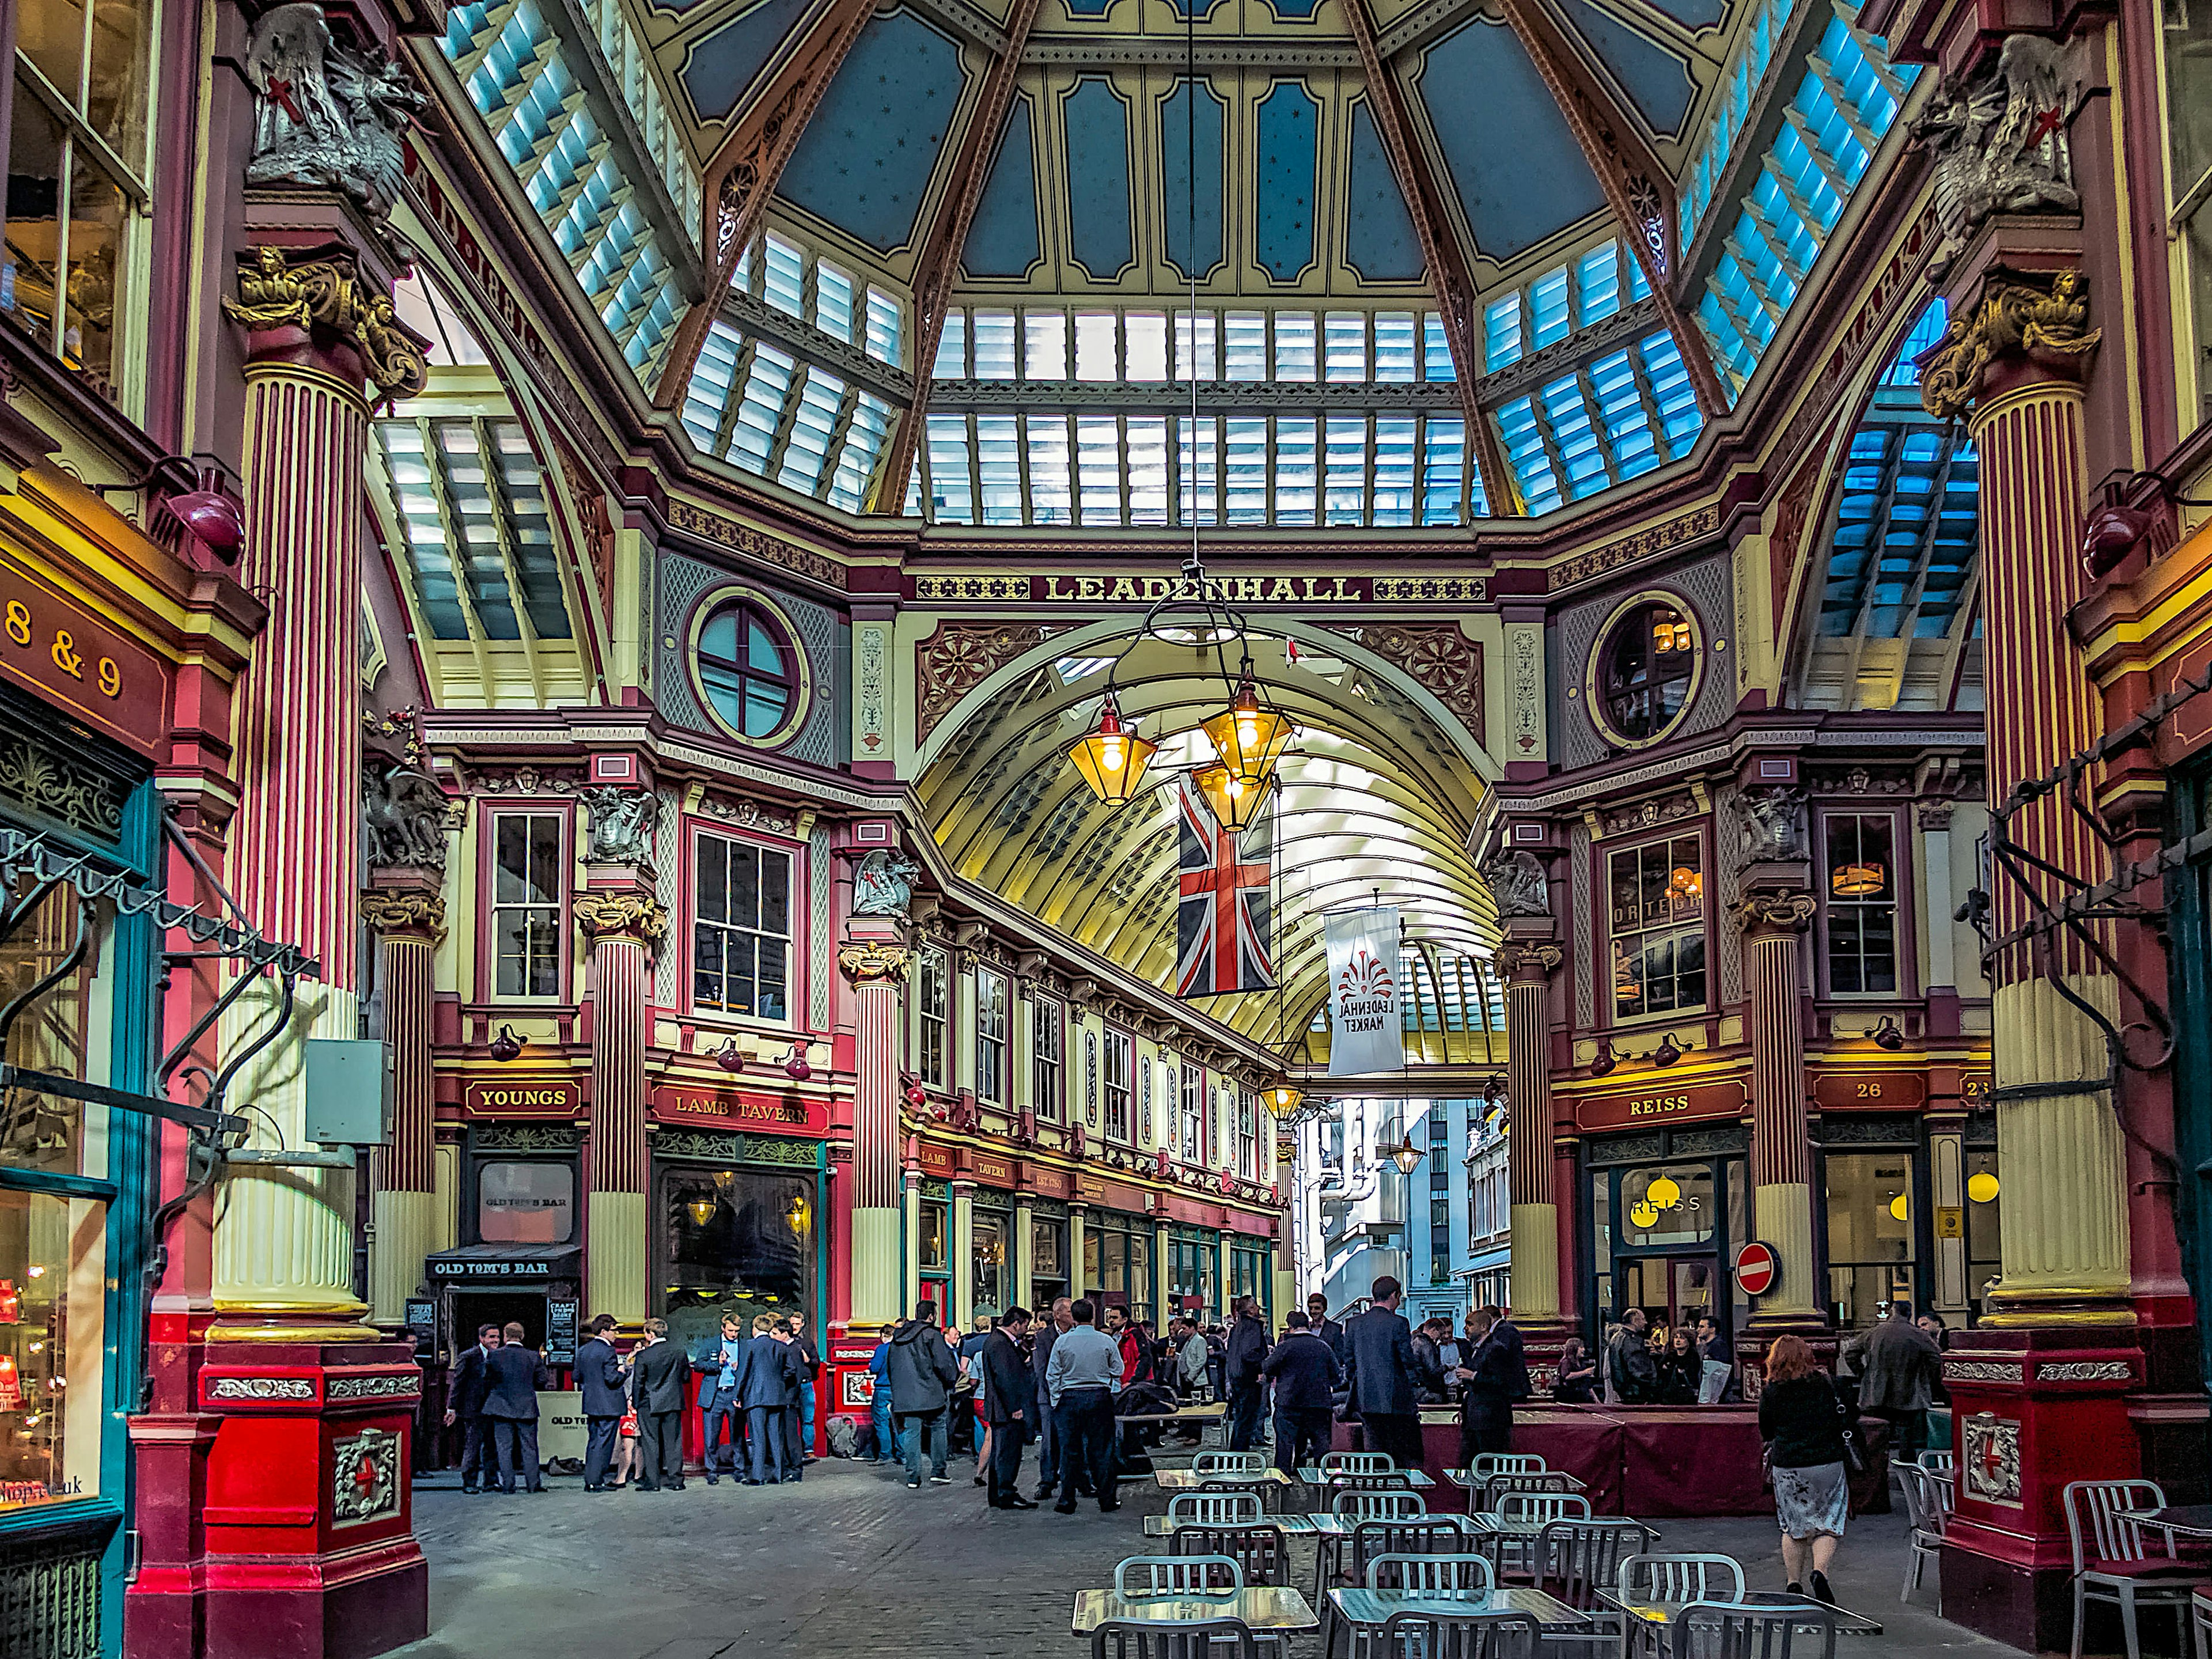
(1662, 1103)
(776, 1115)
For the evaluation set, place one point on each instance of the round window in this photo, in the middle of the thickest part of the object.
(1646, 669)
(745, 669)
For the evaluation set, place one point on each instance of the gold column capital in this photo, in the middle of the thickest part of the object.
(2039, 317)
(400, 913)
(622, 916)
(327, 291)
(1525, 963)
(872, 962)
(1774, 913)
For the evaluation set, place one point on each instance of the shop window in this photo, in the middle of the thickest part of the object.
(1984, 1211)
(1194, 1270)
(1667, 1205)
(525, 1201)
(1646, 668)
(1248, 1135)
(1251, 1273)
(1121, 1063)
(745, 669)
(733, 1242)
(1194, 1114)
(2186, 45)
(78, 186)
(741, 929)
(1871, 1233)
(1860, 904)
(991, 1001)
(991, 1266)
(527, 891)
(52, 1301)
(64, 1032)
(1047, 1059)
(1047, 1260)
(1117, 1266)
(1658, 927)
(932, 1016)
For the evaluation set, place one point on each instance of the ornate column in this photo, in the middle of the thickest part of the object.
(1773, 924)
(404, 909)
(960, 1217)
(1023, 1259)
(1527, 965)
(1075, 1214)
(878, 967)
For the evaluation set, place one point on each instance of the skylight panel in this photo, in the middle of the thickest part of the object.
(1580, 452)
(741, 278)
(1597, 284)
(952, 348)
(1628, 436)
(1051, 500)
(1145, 337)
(1680, 418)
(1295, 466)
(856, 459)
(886, 343)
(1345, 345)
(1098, 462)
(1548, 321)
(1200, 331)
(913, 509)
(1247, 452)
(713, 379)
(760, 413)
(1245, 345)
(1394, 470)
(1344, 485)
(1096, 350)
(1394, 347)
(1501, 333)
(952, 496)
(833, 300)
(1926, 329)
(1044, 345)
(1444, 469)
(786, 285)
(999, 466)
(813, 424)
(1198, 469)
(430, 564)
(1519, 429)
(1436, 350)
(1295, 348)
(994, 332)
(1148, 462)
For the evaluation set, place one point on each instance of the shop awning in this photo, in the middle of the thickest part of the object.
(504, 1264)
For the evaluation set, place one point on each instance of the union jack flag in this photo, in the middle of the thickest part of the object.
(1224, 927)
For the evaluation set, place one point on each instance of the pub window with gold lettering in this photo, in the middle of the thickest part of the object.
(1658, 900)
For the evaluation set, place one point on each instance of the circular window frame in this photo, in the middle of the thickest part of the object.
(1593, 695)
(802, 675)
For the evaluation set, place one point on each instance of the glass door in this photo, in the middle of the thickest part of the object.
(1662, 1234)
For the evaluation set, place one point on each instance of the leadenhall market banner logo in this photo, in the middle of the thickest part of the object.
(1366, 1019)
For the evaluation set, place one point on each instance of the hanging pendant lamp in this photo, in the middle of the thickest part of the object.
(1249, 736)
(1112, 757)
(1234, 803)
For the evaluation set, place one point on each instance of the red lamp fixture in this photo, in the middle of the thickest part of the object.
(911, 1091)
(796, 1068)
(728, 1058)
(506, 1046)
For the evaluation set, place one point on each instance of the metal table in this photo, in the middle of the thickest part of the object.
(2179, 1520)
(1156, 1526)
(1378, 1606)
(1332, 1531)
(1661, 1615)
(1262, 1607)
(1313, 1475)
(1466, 1482)
(1174, 1480)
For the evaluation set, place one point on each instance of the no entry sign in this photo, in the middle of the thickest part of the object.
(1755, 1268)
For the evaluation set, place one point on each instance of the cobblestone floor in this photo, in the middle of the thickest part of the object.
(850, 1562)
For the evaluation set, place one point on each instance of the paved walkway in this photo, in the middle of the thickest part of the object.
(850, 1562)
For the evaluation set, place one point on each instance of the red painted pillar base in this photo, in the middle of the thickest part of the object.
(308, 1524)
(2032, 1408)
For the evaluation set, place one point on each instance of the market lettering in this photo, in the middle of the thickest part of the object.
(1249, 590)
(755, 1111)
(1364, 1013)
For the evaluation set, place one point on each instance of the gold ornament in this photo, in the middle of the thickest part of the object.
(602, 915)
(328, 293)
(2027, 314)
(389, 912)
(871, 961)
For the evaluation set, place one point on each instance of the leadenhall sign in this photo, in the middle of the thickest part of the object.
(1231, 590)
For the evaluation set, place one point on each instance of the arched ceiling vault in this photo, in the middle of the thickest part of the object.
(1375, 797)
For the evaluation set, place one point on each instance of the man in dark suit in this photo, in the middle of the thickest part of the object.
(808, 1362)
(764, 1383)
(1494, 1374)
(722, 1407)
(600, 1376)
(1062, 1318)
(465, 1404)
(1326, 1328)
(1381, 1345)
(510, 1403)
(661, 1370)
(1010, 1407)
(1304, 1371)
(1248, 1351)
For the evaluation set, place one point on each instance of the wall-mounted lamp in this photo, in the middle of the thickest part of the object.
(1887, 1035)
(1666, 1054)
(728, 1058)
(1606, 1060)
(1406, 1155)
(506, 1046)
(796, 1068)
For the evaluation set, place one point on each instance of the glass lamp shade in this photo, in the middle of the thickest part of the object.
(1406, 1155)
(1981, 1186)
(1112, 757)
(1857, 880)
(1236, 803)
(702, 1211)
(1249, 738)
(800, 1214)
(1664, 1192)
(1282, 1099)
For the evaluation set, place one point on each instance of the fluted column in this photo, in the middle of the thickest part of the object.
(625, 926)
(409, 916)
(318, 331)
(1528, 966)
(1773, 925)
(876, 969)
(2060, 1156)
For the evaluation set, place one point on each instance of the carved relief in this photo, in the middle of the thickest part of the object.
(622, 822)
(958, 657)
(598, 528)
(1440, 658)
(883, 885)
(2041, 315)
(1989, 1462)
(1627, 550)
(722, 532)
(323, 113)
(872, 961)
(404, 913)
(406, 813)
(1774, 913)
(1519, 884)
(2000, 143)
(621, 914)
(1770, 825)
(364, 1477)
(328, 294)
(1524, 643)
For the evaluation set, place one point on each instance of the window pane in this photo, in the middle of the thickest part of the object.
(526, 1202)
(53, 1275)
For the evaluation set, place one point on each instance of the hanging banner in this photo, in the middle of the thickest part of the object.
(1224, 929)
(1366, 1026)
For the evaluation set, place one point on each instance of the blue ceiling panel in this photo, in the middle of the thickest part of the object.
(1002, 239)
(1101, 236)
(1285, 181)
(1693, 14)
(1656, 79)
(865, 161)
(722, 65)
(1513, 159)
(1186, 122)
(1380, 242)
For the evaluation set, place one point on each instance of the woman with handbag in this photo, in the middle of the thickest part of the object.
(626, 1462)
(1804, 1426)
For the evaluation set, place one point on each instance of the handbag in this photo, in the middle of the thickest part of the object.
(628, 1426)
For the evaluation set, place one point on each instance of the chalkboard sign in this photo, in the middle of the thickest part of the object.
(561, 1315)
(422, 1324)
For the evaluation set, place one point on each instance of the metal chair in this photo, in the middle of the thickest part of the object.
(1730, 1630)
(1925, 1511)
(1573, 1560)
(1125, 1639)
(1537, 1509)
(1671, 1577)
(2111, 1562)
(1261, 1553)
(1470, 1636)
(1458, 1576)
(1378, 1505)
(1497, 1486)
(1228, 1463)
(1379, 1481)
(1939, 1462)
(1361, 1463)
(1144, 1577)
(1487, 1464)
(1213, 1508)
(2200, 1619)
